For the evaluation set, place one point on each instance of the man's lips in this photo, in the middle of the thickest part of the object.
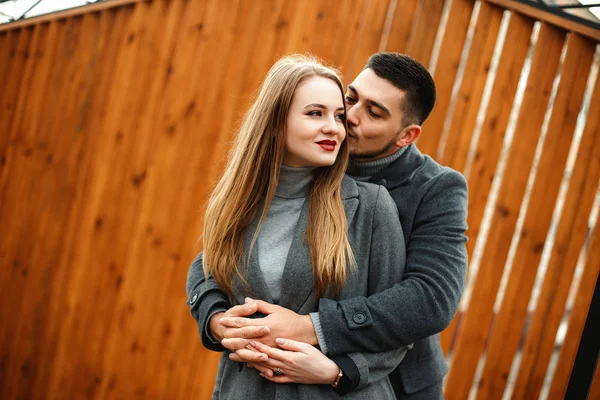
(327, 145)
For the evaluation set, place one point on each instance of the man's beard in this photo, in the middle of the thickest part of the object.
(364, 156)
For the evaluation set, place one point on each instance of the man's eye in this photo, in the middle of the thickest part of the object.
(350, 99)
(374, 115)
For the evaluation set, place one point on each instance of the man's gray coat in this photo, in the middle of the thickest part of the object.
(432, 204)
(377, 242)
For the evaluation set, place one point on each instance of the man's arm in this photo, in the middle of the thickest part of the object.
(209, 304)
(425, 302)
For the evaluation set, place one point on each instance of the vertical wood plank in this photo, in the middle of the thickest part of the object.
(424, 29)
(507, 331)
(577, 319)
(495, 122)
(400, 29)
(445, 73)
(473, 333)
(369, 37)
(464, 118)
(570, 237)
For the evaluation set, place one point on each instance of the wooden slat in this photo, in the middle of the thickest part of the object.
(474, 330)
(571, 234)
(399, 34)
(464, 118)
(507, 331)
(445, 73)
(63, 244)
(577, 319)
(448, 336)
(369, 36)
(548, 17)
(424, 29)
(74, 287)
(15, 200)
(9, 95)
(494, 126)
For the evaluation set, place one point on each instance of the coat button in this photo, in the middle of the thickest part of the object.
(194, 298)
(359, 317)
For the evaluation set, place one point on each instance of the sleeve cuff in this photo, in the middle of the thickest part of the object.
(316, 320)
(351, 378)
(207, 333)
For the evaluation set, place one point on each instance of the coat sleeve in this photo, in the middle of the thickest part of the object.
(425, 302)
(205, 299)
(386, 265)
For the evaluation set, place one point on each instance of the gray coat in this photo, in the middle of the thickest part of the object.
(377, 242)
(432, 204)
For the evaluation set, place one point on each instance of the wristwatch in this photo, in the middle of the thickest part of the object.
(337, 379)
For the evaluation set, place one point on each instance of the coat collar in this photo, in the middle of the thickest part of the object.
(297, 281)
(400, 171)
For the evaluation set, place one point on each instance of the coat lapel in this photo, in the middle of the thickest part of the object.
(256, 287)
(297, 281)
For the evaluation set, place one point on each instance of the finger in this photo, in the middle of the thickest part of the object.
(242, 310)
(248, 332)
(261, 368)
(234, 344)
(292, 345)
(272, 353)
(239, 322)
(244, 355)
(277, 379)
(266, 308)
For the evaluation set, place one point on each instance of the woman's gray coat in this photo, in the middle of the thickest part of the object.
(375, 235)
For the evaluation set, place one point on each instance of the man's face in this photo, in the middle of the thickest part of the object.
(374, 115)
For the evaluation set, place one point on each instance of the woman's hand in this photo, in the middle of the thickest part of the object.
(299, 362)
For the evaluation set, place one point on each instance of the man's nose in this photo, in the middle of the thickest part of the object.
(351, 115)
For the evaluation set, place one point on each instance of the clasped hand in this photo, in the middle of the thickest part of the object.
(259, 342)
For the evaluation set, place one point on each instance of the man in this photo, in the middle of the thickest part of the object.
(387, 104)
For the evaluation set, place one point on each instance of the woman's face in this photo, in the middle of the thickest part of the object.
(315, 124)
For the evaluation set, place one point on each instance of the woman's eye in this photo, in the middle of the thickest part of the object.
(315, 113)
(341, 117)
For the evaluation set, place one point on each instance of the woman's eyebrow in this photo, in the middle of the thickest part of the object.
(317, 105)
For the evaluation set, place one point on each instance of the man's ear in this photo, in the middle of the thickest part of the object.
(408, 135)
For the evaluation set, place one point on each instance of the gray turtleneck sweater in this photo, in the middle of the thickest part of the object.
(277, 232)
(363, 171)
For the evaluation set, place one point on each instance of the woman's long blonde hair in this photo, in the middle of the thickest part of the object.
(252, 174)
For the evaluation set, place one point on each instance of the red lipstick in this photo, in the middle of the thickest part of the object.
(327, 145)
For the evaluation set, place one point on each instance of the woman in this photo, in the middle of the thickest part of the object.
(285, 225)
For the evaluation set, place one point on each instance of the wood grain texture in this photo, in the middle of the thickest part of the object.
(495, 123)
(505, 338)
(459, 131)
(577, 318)
(473, 334)
(445, 73)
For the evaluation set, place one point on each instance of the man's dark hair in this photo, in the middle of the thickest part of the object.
(410, 76)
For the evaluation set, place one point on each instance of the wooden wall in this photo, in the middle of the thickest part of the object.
(114, 121)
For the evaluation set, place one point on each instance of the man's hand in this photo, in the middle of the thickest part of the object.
(281, 322)
(236, 337)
